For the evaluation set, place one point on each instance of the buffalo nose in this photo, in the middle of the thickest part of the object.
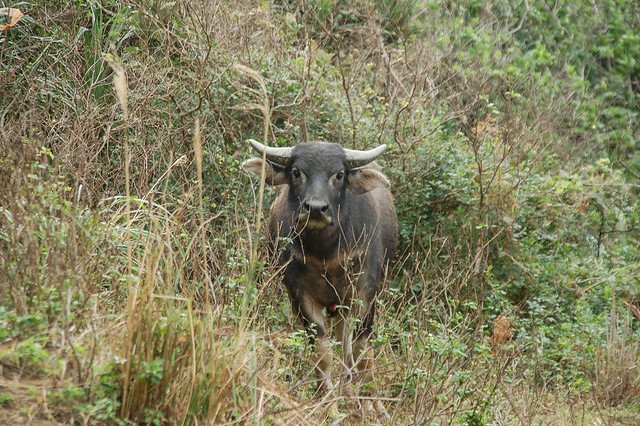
(315, 207)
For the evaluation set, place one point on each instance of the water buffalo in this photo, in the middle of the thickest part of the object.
(340, 227)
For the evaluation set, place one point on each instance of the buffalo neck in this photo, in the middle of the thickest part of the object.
(320, 243)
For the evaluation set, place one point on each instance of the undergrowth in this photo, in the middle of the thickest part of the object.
(135, 287)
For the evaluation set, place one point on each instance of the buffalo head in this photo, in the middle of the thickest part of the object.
(318, 174)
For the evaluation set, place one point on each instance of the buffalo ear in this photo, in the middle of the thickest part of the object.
(273, 174)
(366, 179)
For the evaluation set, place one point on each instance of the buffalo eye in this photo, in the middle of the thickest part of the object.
(295, 173)
(339, 176)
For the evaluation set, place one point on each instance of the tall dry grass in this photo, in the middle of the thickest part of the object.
(617, 376)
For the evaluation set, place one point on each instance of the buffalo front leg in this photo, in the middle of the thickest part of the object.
(362, 351)
(313, 319)
(363, 355)
(345, 337)
(353, 332)
(323, 358)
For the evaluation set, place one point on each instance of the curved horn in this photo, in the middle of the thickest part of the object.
(357, 159)
(279, 156)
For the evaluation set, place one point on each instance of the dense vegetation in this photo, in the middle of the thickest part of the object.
(134, 284)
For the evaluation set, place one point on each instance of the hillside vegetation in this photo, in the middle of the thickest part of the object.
(135, 286)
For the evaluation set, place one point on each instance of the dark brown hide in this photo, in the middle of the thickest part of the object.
(341, 231)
